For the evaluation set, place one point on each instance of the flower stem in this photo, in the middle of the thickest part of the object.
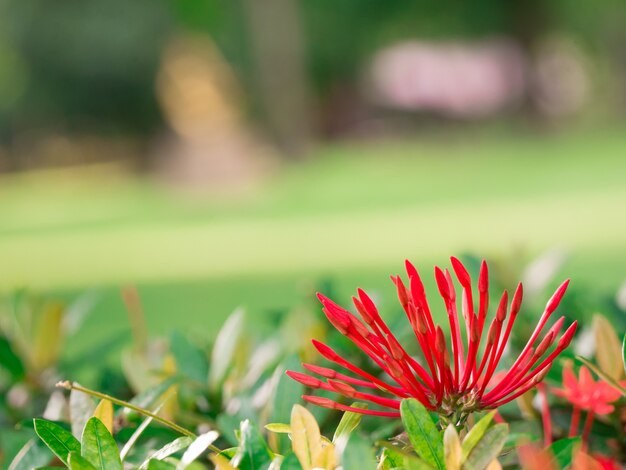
(573, 427)
(545, 415)
(103, 396)
(587, 428)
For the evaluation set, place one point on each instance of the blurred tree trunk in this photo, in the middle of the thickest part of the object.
(530, 21)
(278, 53)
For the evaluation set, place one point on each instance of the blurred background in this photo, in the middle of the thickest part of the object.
(230, 153)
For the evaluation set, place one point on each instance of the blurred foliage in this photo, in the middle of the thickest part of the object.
(84, 66)
(232, 393)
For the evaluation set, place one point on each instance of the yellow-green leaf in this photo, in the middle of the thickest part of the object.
(221, 462)
(349, 422)
(280, 428)
(488, 448)
(306, 439)
(476, 433)
(608, 347)
(326, 458)
(104, 412)
(452, 451)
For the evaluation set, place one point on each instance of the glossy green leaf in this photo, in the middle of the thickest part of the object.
(196, 448)
(358, 454)
(487, 448)
(252, 453)
(99, 447)
(422, 432)
(169, 449)
(349, 422)
(191, 361)
(225, 347)
(32, 455)
(476, 433)
(59, 440)
(563, 450)
(76, 462)
(11, 361)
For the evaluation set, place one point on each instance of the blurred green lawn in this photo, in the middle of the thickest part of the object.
(353, 212)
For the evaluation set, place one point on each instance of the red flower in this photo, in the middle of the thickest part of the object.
(454, 380)
(586, 394)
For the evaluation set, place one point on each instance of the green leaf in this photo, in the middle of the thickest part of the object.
(169, 449)
(154, 464)
(422, 432)
(414, 463)
(287, 392)
(602, 375)
(76, 462)
(624, 352)
(191, 361)
(59, 440)
(476, 433)
(391, 458)
(196, 448)
(563, 450)
(488, 448)
(99, 447)
(253, 453)
(290, 462)
(32, 455)
(224, 349)
(349, 422)
(358, 454)
(11, 361)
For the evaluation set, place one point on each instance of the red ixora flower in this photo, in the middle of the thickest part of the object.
(586, 394)
(453, 381)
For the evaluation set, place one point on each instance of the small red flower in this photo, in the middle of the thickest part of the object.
(585, 393)
(453, 380)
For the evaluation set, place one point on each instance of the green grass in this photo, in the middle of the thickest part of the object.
(354, 212)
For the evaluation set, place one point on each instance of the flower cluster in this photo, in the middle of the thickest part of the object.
(456, 375)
